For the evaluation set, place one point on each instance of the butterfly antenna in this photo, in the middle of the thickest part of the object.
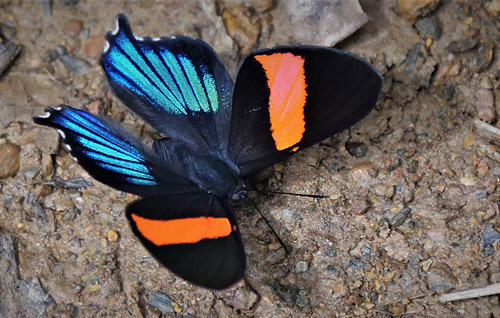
(314, 196)
(270, 226)
(306, 195)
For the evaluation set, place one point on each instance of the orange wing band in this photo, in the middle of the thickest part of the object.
(181, 231)
(287, 85)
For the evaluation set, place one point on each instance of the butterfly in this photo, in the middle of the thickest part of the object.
(219, 134)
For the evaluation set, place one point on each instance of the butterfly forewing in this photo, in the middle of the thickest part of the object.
(288, 98)
(177, 84)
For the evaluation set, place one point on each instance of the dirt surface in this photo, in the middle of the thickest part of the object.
(413, 189)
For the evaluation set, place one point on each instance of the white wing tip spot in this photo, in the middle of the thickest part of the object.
(138, 38)
(63, 135)
(106, 47)
(156, 39)
(58, 108)
(117, 27)
(46, 115)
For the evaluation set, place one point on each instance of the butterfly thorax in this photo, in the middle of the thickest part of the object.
(211, 171)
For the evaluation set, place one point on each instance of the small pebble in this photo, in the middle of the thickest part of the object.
(161, 301)
(490, 213)
(94, 107)
(262, 5)
(428, 28)
(72, 63)
(397, 310)
(360, 207)
(469, 141)
(454, 70)
(94, 45)
(378, 189)
(276, 256)
(245, 298)
(356, 264)
(354, 301)
(482, 169)
(80, 82)
(400, 217)
(73, 27)
(440, 279)
(274, 246)
(387, 278)
(462, 45)
(357, 284)
(47, 165)
(490, 237)
(363, 174)
(397, 247)
(301, 267)
(493, 6)
(312, 156)
(488, 150)
(426, 264)
(9, 160)
(36, 298)
(485, 83)
(365, 252)
(468, 182)
(288, 294)
(453, 197)
(113, 236)
(242, 26)
(416, 8)
(485, 105)
(357, 149)
(484, 55)
(47, 140)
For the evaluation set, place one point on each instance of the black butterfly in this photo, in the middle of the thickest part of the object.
(284, 99)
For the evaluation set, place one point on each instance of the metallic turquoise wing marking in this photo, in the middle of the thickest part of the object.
(167, 80)
(92, 139)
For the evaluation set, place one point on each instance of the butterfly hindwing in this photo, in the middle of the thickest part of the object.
(110, 154)
(288, 98)
(194, 235)
(178, 84)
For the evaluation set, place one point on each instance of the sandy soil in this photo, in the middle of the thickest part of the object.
(413, 190)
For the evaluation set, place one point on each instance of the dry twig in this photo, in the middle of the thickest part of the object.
(472, 293)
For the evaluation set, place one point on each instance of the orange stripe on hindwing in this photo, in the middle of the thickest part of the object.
(287, 85)
(181, 231)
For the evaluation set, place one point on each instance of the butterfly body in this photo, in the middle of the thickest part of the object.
(213, 173)
(219, 134)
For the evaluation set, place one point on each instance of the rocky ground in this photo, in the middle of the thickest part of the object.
(413, 189)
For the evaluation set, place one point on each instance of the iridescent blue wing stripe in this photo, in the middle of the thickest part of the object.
(168, 81)
(83, 122)
(89, 138)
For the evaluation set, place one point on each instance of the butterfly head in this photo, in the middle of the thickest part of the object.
(239, 193)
